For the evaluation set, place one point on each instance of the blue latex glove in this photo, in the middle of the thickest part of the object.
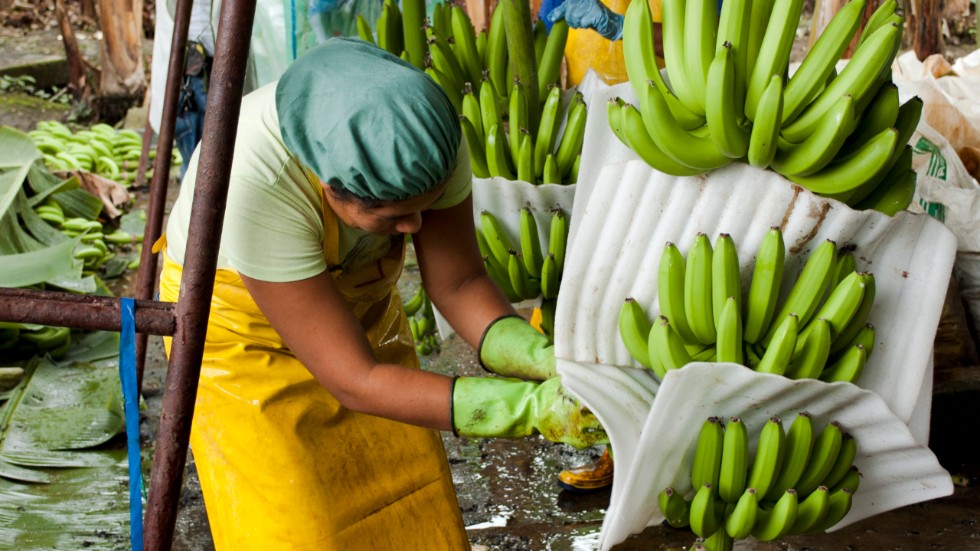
(589, 14)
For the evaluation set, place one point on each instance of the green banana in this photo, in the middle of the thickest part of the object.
(558, 237)
(729, 342)
(733, 28)
(477, 148)
(857, 79)
(698, 290)
(674, 507)
(843, 303)
(881, 114)
(726, 278)
(444, 81)
(465, 44)
(614, 115)
(634, 330)
(758, 22)
(530, 243)
(634, 134)
(674, 45)
(572, 137)
(471, 109)
(813, 349)
(821, 146)
(878, 18)
(842, 465)
(414, 304)
(742, 519)
(809, 78)
(544, 142)
(859, 321)
(497, 240)
(849, 173)
(683, 146)
(764, 288)
(670, 291)
(525, 159)
(775, 523)
(550, 280)
(722, 111)
(520, 280)
(705, 516)
(706, 464)
(500, 276)
(413, 19)
(734, 461)
(865, 337)
(774, 52)
(443, 59)
(779, 351)
(490, 106)
(799, 443)
(517, 117)
(848, 367)
(843, 267)
(809, 287)
(838, 505)
(554, 52)
(764, 137)
(826, 447)
(851, 480)
(641, 63)
(908, 117)
(496, 58)
(551, 174)
(700, 34)
(768, 456)
(811, 511)
(364, 29)
(498, 156)
(666, 348)
(892, 195)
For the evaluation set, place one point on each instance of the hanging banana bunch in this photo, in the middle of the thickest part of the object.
(843, 136)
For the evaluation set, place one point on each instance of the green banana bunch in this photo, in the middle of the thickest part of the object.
(422, 322)
(729, 98)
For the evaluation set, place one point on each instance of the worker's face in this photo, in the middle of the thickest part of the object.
(387, 218)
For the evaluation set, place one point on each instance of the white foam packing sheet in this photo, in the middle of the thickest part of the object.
(634, 210)
(505, 199)
(656, 452)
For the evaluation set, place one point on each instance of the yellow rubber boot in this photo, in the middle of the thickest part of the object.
(589, 478)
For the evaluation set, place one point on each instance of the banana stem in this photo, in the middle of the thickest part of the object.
(520, 49)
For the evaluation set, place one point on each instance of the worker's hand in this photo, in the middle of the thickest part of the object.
(486, 407)
(589, 14)
(512, 348)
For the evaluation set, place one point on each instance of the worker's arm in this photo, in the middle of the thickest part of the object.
(593, 14)
(318, 326)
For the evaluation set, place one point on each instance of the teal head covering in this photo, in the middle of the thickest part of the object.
(367, 122)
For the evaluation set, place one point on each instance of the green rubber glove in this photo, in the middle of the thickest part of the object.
(485, 407)
(512, 348)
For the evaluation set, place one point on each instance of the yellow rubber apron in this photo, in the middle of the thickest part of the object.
(586, 49)
(282, 464)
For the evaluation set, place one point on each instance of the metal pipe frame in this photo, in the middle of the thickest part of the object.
(91, 312)
(200, 264)
(146, 278)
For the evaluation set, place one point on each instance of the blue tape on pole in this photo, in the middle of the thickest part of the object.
(127, 376)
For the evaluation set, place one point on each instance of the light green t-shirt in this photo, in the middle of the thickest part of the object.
(273, 226)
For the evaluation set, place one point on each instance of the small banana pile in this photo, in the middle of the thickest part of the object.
(728, 99)
(529, 269)
(504, 136)
(820, 330)
(95, 244)
(422, 322)
(101, 149)
(799, 481)
(23, 339)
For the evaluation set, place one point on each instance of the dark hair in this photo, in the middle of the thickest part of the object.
(348, 196)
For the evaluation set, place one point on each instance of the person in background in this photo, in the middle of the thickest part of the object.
(594, 37)
(314, 426)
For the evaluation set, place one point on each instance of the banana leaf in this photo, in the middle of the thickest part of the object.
(17, 155)
(25, 269)
(45, 501)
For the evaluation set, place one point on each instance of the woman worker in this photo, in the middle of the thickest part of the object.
(314, 427)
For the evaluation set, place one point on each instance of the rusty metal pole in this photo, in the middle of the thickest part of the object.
(146, 279)
(200, 263)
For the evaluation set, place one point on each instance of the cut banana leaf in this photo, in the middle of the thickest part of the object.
(30, 268)
(16, 148)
